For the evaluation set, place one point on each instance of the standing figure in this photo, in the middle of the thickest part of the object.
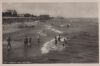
(64, 42)
(59, 37)
(30, 40)
(9, 42)
(56, 41)
(68, 25)
(38, 40)
(26, 41)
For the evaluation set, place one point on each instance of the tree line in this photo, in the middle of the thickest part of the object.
(13, 13)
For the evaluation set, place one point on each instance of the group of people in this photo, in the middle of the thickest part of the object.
(27, 42)
(58, 39)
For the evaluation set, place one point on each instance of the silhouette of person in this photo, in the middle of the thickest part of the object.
(68, 25)
(26, 41)
(55, 40)
(30, 40)
(9, 42)
(59, 37)
(64, 42)
(38, 39)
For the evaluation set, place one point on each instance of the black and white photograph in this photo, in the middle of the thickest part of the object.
(50, 32)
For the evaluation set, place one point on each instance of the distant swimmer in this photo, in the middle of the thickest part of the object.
(62, 40)
(66, 41)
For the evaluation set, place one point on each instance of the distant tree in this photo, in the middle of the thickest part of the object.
(14, 13)
(44, 17)
(33, 16)
(10, 13)
(7, 13)
(60, 17)
(27, 15)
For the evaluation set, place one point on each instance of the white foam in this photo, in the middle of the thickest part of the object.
(50, 46)
(54, 30)
(41, 33)
(46, 47)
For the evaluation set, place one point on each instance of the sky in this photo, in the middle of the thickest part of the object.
(66, 9)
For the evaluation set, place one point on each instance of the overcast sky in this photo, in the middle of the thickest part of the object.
(69, 9)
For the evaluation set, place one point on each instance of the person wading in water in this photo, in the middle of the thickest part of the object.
(9, 42)
(59, 37)
(55, 40)
(38, 40)
(26, 41)
(30, 41)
